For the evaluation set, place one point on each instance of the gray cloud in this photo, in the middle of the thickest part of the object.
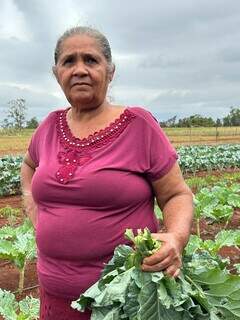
(173, 57)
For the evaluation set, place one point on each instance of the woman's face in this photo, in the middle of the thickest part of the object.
(82, 71)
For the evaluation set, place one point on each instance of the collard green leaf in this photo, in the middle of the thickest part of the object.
(112, 313)
(227, 238)
(30, 307)
(115, 291)
(8, 305)
(121, 253)
(131, 305)
(18, 244)
(194, 244)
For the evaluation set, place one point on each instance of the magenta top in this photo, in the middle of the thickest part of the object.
(88, 191)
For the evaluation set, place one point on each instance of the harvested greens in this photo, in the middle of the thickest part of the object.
(205, 290)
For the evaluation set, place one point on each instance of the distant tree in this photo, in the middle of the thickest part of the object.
(196, 120)
(32, 123)
(5, 123)
(169, 123)
(16, 114)
(218, 123)
(233, 118)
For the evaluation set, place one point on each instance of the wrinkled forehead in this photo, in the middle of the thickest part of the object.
(80, 43)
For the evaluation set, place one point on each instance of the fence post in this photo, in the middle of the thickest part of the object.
(217, 133)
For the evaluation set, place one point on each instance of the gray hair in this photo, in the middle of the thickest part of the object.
(91, 32)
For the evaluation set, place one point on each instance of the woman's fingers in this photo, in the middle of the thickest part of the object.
(157, 266)
(167, 258)
(157, 257)
(169, 265)
(172, 271)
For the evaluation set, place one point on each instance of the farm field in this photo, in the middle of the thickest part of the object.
(201, 135)
(213, 174)
(16, 142)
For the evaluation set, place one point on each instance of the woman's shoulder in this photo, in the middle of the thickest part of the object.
(143, 114)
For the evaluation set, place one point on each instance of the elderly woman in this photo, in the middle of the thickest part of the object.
(92, 170)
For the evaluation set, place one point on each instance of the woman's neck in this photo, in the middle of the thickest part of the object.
(85, 115)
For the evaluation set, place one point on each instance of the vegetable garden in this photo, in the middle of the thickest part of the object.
(209, 286)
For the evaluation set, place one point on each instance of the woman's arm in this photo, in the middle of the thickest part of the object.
(176, 201)
(27, 172)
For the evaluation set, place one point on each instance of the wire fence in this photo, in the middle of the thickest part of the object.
(202, 135)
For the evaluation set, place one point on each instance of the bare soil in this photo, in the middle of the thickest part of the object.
(216, 173)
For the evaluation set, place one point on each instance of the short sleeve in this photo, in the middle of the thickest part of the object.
(34, 145)
(158, 155)
(39, 137)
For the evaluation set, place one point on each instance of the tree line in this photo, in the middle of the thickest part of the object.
(16, 117)
(196, 120)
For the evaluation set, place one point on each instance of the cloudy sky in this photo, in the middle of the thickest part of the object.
(172, 57)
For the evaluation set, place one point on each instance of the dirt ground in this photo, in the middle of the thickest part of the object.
(9, 274)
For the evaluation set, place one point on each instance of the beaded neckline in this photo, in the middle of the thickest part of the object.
(78, 151)
(93, 140)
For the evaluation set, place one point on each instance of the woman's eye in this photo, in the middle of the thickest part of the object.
(90, 60)
(68, 61)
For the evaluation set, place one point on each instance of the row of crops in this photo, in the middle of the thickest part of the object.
(208, 158)
(191, 159)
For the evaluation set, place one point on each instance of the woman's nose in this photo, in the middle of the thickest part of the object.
(80, 69)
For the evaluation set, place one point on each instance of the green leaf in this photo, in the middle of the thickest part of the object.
(158, 212)
(7, 232)
(30, 307)
(8, 305)
(195, 243)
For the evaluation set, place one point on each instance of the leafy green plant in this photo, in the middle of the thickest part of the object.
(10, 178)
(125, 292)
(224, 178)
(10, 309)
(18, 245)
(217, 203)
(225, 238)
(10, 214)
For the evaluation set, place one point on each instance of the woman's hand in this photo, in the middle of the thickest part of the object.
(167, 258)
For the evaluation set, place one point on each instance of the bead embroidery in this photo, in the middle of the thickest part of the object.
(78, 151)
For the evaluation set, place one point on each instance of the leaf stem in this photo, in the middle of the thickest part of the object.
(21, 278)
(195, 285)
(198, 227)
(27, 288)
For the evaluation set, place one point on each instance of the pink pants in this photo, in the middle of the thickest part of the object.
(53, 308)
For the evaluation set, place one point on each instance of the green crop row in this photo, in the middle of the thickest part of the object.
(207, 158)
(191, 159)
